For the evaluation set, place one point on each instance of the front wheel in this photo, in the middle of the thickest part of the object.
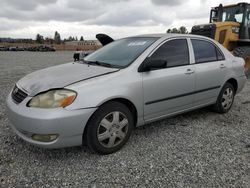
(109, 128)
(225, 99)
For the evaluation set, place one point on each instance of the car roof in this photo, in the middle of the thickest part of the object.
(170, 35)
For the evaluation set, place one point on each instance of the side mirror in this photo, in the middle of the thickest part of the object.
(152, 64)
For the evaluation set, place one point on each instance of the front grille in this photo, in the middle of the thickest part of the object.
(18, 95)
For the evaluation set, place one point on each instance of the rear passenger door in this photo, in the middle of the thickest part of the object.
(211, 68)
(170, 89)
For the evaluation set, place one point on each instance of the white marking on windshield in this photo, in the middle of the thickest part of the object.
(137, 43)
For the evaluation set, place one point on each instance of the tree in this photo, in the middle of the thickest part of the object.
(175, 30)
(49, 40)
(57, 38)
(183, 30)
(39, 38)
(81, 39)
(76, 39)
(70, 38)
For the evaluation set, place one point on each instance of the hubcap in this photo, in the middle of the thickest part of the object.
(112, 129)
(227, 98)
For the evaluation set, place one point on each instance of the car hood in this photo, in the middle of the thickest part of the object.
(60, 76)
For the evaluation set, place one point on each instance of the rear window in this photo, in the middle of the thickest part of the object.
(205, 51)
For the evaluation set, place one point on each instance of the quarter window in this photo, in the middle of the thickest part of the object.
(205, 51)
(219, 55)
(174, 52)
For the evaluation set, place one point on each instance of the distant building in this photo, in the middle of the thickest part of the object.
(84, 43)
(20, 40)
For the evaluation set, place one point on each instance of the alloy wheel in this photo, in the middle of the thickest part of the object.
(112, 129)
(227, 98)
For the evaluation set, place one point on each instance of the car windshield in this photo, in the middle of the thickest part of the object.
(120, 53)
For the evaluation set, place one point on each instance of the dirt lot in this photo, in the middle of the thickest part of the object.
(197, 149)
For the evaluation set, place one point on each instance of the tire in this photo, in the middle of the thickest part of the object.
(225, 99)
(109, 128)
(244, 52)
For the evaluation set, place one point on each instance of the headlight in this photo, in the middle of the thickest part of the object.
(235, 29)
(53, 99)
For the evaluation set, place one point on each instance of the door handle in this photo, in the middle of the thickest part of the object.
(222, 66)
(189, 71)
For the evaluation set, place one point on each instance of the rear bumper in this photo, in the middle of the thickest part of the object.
(241, 83)
(68, 124)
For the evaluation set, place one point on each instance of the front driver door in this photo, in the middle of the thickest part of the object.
(169, 89)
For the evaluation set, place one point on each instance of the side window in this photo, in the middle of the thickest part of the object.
(205, 51)
(174, 52)
(219, 55)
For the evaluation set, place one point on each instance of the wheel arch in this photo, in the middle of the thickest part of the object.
(128, 103)
(234, 83)
(124, 101)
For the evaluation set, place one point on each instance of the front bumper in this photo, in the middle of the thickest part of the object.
(68, 124)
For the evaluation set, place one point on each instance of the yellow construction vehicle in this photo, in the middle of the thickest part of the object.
(230, 26)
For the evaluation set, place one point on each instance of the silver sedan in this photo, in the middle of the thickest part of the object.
(129, 82)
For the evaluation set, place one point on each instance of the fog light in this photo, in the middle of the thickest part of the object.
(44, 137)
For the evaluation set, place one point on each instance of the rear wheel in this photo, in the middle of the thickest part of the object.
(244, 52)
(109, 128)
(225, 99)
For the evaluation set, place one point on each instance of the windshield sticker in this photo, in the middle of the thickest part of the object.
(138, 43)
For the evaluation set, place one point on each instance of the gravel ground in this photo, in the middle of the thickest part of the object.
(197, 149)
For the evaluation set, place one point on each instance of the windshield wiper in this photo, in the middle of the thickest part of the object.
(92, 62)
(82, 61)
(99, 63)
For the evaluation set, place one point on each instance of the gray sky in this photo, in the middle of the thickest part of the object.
(118, 18)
